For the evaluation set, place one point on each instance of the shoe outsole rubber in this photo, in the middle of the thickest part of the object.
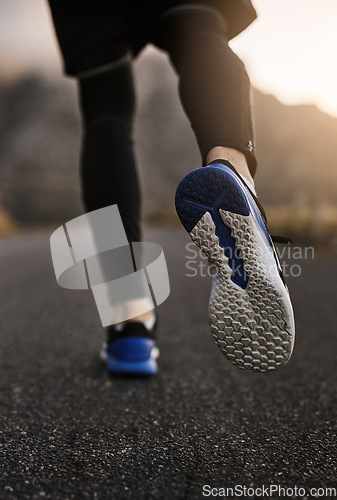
(117, 366)
(131, 356)
(250, 312)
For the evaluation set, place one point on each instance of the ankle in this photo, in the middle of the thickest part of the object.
(147, 318)
(235, 157)
(138, 310)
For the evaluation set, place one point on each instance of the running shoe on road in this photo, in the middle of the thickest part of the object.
(131, 350)
(250, 311)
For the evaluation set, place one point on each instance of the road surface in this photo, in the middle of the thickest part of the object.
(68, 431)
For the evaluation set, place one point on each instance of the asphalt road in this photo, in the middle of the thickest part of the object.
(69, 431)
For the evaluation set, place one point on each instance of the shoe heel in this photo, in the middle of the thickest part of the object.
(133, 356)
(209, 188)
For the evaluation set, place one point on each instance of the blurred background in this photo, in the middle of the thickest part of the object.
(290, 55)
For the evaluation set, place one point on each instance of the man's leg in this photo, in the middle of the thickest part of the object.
(109, 176)
(251, 316)
(108, 166)
(213, 85)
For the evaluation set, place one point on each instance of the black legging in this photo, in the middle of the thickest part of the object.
(215, 93)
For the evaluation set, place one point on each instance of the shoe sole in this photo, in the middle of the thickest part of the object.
(141, 368)
(116, 365)
(250, 312)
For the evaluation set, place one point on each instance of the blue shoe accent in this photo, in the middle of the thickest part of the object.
(209, 189)
(132, 355)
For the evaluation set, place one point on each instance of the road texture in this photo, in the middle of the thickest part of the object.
(68, 431)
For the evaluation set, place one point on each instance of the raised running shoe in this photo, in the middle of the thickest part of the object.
(250, 311)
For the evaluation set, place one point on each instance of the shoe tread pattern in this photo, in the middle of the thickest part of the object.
(251, 327)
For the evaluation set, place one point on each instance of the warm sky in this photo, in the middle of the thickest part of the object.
(289, 51)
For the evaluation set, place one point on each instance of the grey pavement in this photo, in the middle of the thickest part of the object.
(68, 431)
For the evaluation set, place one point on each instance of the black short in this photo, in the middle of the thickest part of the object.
(92, 32)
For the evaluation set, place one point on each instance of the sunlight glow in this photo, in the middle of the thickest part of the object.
(291, 51)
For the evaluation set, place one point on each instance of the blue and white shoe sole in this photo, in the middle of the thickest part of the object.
(131, 356)
(250, 311)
